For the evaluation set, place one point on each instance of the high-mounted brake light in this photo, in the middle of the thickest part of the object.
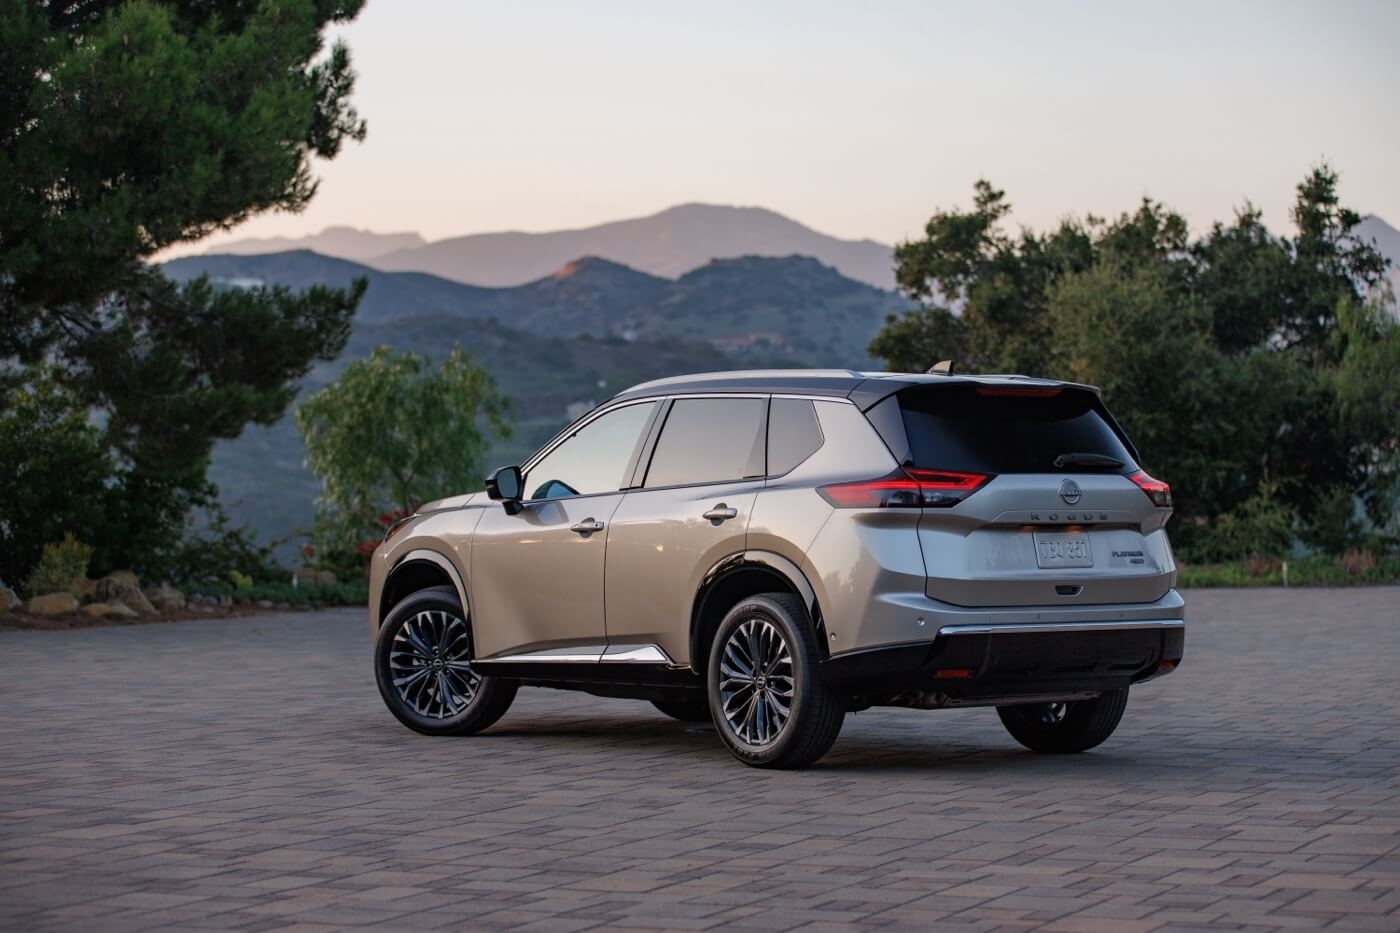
(907, 488)
(1019, 391)
(1159, 492)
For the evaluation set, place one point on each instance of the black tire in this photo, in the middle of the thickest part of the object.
(814, 714)
(1058, 728)
(431, 709)
(685, 710)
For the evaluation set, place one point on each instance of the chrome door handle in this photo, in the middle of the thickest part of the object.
(721, 513)
(587, 527)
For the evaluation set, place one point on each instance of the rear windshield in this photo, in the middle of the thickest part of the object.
(970, 429)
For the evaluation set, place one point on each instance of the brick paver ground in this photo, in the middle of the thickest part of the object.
(243, 774)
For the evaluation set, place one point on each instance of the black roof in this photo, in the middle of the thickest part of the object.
(863, 388)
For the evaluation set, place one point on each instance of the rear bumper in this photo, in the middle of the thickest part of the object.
(967, 662)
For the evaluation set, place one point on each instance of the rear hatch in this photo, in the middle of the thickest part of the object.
(1032, 497)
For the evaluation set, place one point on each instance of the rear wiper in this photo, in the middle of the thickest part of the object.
(1088, 460)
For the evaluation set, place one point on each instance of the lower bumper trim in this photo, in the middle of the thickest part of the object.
(1014, 659)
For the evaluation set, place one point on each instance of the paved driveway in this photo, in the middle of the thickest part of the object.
(243, 774)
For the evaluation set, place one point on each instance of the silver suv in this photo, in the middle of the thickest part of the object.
(772, 550)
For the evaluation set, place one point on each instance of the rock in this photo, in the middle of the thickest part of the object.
(96, 609)
(87, 591)
(264, 604)
(121, 610)
(121, 587)
(125, 578)
(166, 598)
(320, 579)
(8, 598)
(52, 604)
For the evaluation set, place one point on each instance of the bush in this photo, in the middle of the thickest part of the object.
(1314, 570)
(300, 597)
(1261, 526)
(214, 551)
(62, 568)
(1334, 526)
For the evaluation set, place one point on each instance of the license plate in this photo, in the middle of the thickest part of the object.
(1055, 551)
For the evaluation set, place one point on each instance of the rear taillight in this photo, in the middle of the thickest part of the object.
(1159, 492)
(907, 488)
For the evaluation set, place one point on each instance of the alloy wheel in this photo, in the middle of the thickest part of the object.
(430, 664)
(756, 682)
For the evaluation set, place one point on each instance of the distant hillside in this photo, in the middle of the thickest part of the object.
(556, 345)
(341, 242)
(1387, 240)
(781, 308)
(667, 244)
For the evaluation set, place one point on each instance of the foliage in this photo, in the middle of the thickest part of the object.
(392, 433)
(354, 593)
(1238, 360)
(61, 569)
(1353, 569)
(217, 550)
(126, 127)
(54, 473)
(1261, 526)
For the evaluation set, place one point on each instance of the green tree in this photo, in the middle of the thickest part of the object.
(126, 127)
(1239, 361)
(392, 433)
(55, 473)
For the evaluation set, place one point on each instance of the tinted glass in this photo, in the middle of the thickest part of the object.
(593, 459)
(709, 440)
(959, 428)
(793, 434)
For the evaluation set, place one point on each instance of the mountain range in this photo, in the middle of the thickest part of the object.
(668, 244)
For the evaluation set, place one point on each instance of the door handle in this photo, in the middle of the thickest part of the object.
(587, 527)
(721, 513)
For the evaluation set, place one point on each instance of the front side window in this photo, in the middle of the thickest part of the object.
(709, 440)
(593, 459)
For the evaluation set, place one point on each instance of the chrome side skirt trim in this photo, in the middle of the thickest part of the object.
(1030, 628)
(635, 654)
(587, 654)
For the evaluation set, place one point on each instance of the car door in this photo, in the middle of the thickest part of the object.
(537, 575)
(691, 510)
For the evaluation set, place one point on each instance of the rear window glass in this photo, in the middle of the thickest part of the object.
(793, 434)
(959, 428)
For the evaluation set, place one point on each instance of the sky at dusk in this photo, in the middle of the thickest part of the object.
(857, 119)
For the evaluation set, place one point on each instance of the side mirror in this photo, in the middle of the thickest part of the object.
(504, 485)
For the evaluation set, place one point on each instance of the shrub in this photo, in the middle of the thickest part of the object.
(1261, 526)
(61, 569)
(1334, 526)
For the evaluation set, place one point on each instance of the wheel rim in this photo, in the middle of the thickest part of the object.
(756, 682)
(430, 665)
(1052, 714)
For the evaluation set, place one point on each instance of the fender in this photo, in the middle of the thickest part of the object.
(419, 555)
(768, 560)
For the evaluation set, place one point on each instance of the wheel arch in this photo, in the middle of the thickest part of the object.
(417, 570)
(738, 577)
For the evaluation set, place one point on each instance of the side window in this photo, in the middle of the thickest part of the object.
(709, 440)
(793, 434)
(592, 459)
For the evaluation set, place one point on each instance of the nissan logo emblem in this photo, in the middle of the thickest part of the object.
(1070, 492)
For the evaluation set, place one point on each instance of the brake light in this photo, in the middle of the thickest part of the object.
(1159, 492)
(907, 488)
(1019, 391)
